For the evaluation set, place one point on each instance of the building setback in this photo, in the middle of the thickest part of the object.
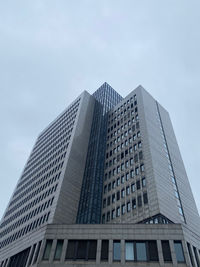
(105, 184)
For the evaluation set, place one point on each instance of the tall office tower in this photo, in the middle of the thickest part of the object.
(104, 185)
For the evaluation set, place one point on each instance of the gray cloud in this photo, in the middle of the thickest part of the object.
(51, 51)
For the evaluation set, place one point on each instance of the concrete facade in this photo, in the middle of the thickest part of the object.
(148, 216)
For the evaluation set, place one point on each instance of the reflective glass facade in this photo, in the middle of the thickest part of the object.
(91, 194)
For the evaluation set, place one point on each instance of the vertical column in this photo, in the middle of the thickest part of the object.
(171, 244)
(110, 252)
(62, 259)
(42, 250)
(53, 248)
(186, 253)
(6, 262)
(160, 254)
(30, 256)
(98, 259)
(122, 251)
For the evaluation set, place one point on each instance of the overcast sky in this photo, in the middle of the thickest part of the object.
(50, 51)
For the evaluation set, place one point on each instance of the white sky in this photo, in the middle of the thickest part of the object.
(50, 51)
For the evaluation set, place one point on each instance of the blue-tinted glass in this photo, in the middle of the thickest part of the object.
(129, 251)
(141, 251)
(179, 252)
(116, 251)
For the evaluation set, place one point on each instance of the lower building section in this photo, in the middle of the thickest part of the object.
(103, 245)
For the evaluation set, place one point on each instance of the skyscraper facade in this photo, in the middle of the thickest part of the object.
(105, 184)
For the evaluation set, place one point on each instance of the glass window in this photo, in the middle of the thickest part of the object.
(47, 250)
(58, 251)
(143, 182)
(118, 212)
(103, 218)
(108, 216)
(133, 188)
(123, 193)
(104, 203)
(123, 209)
(127, 190)
(71, 247)
(179, 251)
(113, 198)
(130, 251)
(82, 248)
(92, 249)
(141, 251)
(108, 201)
(132, 173)
(138, 184)
(116, 250)
(113, 214)
(153, 250)
(166, 251)
(104, 250)
(142, 167)
(133, 203)
(145, 198)
(128, 206)
(139, 200)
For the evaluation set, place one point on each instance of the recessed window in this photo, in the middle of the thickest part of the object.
(179, 251)
(133, 188)
(127, 190)
(153, 250)
(116, 250)
(141, 251)
(71, 247)
(133, 203)
(142, 168)
(81, 250)
(113, 214)
(129, 255)
(145, 198)
(58, 250)
(108, 201)
(103, 218)
(118, 212)
(132, 173)
(143, 182)
(139, 200)
(122, 193)
(127, 176)
(47, 250)
(128, 206)
(166, 251)
(123, 209)
(104, 250)
(113, 198)
(108, 216)
(138, 184)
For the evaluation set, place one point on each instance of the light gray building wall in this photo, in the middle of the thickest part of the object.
(49, 188)
(149, 216)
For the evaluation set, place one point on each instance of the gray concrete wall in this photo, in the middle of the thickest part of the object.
(70, 187)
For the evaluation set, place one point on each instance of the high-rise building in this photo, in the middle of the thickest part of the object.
(105, 184)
